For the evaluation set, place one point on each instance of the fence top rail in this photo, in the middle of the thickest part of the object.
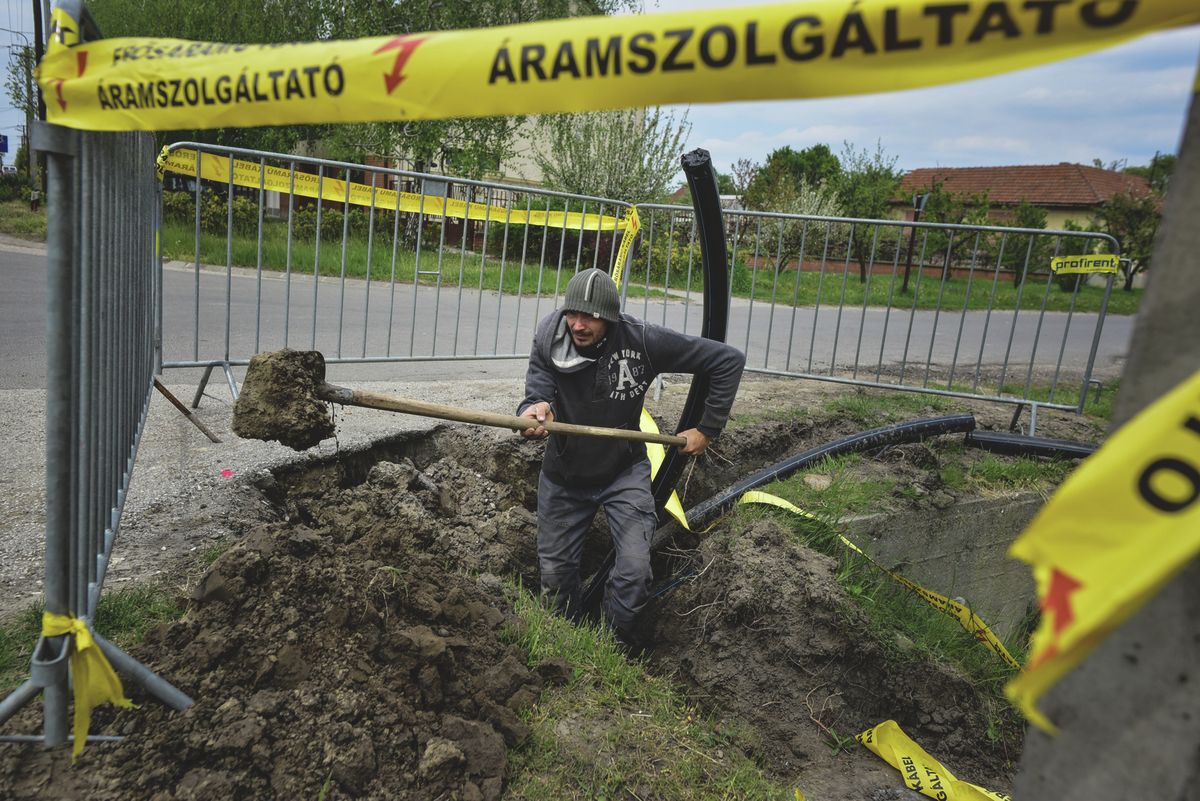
(1000, 229)
(264, 154)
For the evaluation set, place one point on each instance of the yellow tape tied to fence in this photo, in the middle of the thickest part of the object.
(94, 679)
(921, 772)
(249, 174)
(1117, 530)
(822, 48)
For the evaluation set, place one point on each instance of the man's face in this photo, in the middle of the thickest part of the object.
(586, 330)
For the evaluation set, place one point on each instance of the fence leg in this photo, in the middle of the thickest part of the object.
(1016, 418)
(203, 383)
(1033, 419)
(233, 387)
(192, 418)
(160, 688)
(17, 699)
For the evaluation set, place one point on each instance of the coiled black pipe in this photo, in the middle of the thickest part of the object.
(1021, 445)
(701, 514)
(714, 259)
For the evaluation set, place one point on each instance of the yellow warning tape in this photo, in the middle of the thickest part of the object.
(1116, 531)
(971, 622)
(822, 48)
(656, 453)
(921, 772)
(215, 167)
(1066, 265)
(94, 679)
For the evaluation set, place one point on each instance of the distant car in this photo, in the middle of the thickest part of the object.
(9, 169)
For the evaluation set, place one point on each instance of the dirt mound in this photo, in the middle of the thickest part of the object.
(767, 635)
(338, 649)
(353, 646)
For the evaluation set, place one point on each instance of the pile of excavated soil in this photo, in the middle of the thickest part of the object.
(767, 636)
(352, 646)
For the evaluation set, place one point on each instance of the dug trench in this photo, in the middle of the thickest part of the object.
(361, 642)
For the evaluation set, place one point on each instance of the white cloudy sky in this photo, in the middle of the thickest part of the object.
(1123, 103)
(1126, 102)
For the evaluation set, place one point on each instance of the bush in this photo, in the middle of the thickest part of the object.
(14, 186)
(214, 211)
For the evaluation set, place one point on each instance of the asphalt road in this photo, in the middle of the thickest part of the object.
(355, 320)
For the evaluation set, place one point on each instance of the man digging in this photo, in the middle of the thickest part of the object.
(592, 365)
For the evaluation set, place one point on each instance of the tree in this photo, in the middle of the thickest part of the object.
(813, 166)
(744, 171)
(865, 186)
(629, 155)
(725, 185)
(1157, 172)
(1133, 220)
(473, 146)
(19, 86)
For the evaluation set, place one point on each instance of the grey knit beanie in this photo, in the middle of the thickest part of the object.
(593, 292)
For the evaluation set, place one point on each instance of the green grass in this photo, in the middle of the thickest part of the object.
(17, 220)
(631, 735)
(873, 409)
(847, 494)
(179, 243)
(953, 294)
(123, 616)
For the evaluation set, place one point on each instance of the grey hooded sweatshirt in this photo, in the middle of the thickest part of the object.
(607, 388)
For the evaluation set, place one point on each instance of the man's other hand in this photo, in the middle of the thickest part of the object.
(697, 442)
(540, 412)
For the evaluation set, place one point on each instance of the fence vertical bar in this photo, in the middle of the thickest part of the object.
(521, 270)
(412, 331)
(392, 279)
(937, 310)
(787, 362)
(316, 260)
(228, 258)
(61, 251)
(345, 241)
(437, 292)
(812, 340)
(258, 253)
(887, 315)
(912, 312)
(988, 317)
(287, 263)
(962, 320)
(370, 246)
(779, 267)
(837, 326)
(862, 323)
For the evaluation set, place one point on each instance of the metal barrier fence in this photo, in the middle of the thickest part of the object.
(961, 310)
(102, 356)
(970, 311)
(360, 276)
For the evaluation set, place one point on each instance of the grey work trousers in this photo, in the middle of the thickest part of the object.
(564, 516)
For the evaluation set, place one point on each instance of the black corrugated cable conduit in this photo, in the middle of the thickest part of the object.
(1020, 445)
(714, 259)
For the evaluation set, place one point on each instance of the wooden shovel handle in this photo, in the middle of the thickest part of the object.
(391, 403)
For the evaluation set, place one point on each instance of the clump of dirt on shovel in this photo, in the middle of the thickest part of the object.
(279, 400)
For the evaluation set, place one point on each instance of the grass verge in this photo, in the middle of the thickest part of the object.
(123, 616)
(17, 220)
(514, 275)
(615, 731)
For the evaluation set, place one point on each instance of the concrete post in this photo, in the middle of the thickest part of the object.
(1130, 714)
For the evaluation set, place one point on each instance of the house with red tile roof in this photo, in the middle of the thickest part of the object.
(1066, 191)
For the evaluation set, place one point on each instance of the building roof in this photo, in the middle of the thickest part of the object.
(1063, 184)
